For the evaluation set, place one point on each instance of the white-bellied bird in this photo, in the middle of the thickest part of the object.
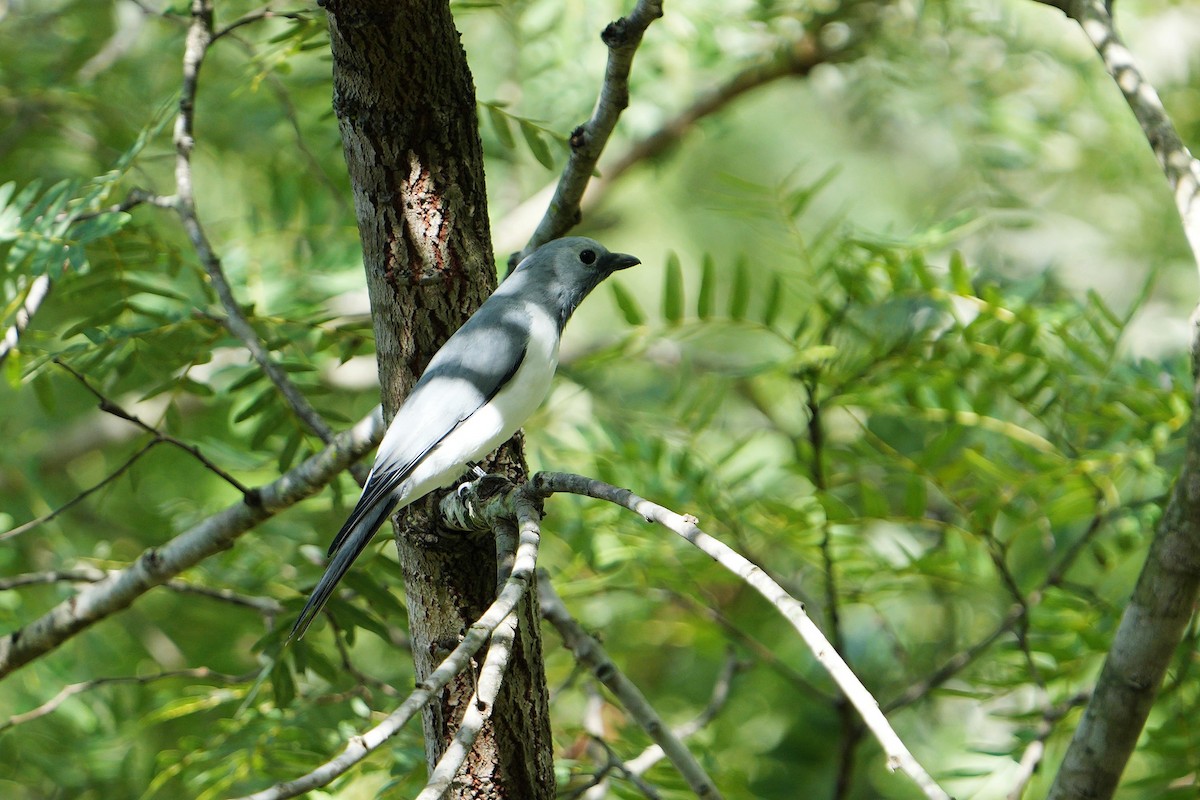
(476, 392)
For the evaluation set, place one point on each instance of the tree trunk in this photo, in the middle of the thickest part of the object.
(405, 104)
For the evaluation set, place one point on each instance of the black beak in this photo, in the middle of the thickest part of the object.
(611, 262)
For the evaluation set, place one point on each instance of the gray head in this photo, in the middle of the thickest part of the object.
(567, 269)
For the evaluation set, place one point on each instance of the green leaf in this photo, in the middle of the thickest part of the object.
(282, 683)
(960, 278)
(705, 303)
(673, 290)
(500, 125)
(739, 297)
(537, 146)
(627, 305)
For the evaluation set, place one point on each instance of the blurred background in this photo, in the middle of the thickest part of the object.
(909, 333)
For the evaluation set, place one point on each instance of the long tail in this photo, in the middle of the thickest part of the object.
(351, 540)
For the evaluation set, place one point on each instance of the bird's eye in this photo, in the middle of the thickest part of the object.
(588, 256)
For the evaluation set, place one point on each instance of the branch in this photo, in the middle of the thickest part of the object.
(588, 140)
(1164, 598)
(200, 36)
(1031, 759)
(109, 407)
(1180, 168)
(898, 756)
(797, 59)
(510, 595)
(107, 479)
(67, 692)
(158, 565)
(590, 653)
(35, 295)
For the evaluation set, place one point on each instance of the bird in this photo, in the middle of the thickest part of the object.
(476, 391)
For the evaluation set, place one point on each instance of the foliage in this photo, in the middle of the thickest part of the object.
(952, 454)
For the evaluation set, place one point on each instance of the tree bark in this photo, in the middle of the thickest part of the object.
(405, 103)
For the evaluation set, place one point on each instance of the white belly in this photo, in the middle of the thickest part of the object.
(498, 419)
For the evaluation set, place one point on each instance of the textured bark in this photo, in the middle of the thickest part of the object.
(405, 104)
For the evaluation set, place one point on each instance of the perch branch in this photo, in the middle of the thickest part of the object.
(359, 747)
(898, 755)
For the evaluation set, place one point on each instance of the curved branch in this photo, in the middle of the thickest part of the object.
(588, 140)
(158, 565)
(1164, 598)
(898, 755)
(200, 36)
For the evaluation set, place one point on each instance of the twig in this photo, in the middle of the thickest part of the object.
(589, 652)
(495, 663)
(898, 755)
(67, 692)
(257, 16)
(717, 700)
(200, 36)
(39, 289)
(588, 140)
(109, 407)
(112, 476)
(1036, 749)
(266, 606)
(1180, 168)
(359, 747)
(798, 59)
(158, 565)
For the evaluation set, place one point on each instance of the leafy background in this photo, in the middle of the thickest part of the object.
(908, 334)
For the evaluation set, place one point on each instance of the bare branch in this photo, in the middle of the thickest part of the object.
(1164, 598)
(156, 566)
(67, 692)
(798, 59)
(200, 36)
(1180, 168)
(588, 140)
(109, 407)
(590, 653)
(898, 755)
(107, 479)
(257, 16)
(1032, 757)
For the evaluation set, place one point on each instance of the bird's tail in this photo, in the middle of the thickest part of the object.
(353, 540)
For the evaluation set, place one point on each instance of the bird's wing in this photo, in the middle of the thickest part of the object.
(473, 365)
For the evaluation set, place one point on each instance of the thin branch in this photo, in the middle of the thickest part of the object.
(795, 60)
(67, 692)
(112, 476)
(158, 565)
(898, 755)
(716, 703)
(266, 606)
(200, 36)
(589, 652)
(588, 140)
(479, 710)
(1031, 759)
(258, 16)
(109, 407)
(510, 595)
(1182, 171)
